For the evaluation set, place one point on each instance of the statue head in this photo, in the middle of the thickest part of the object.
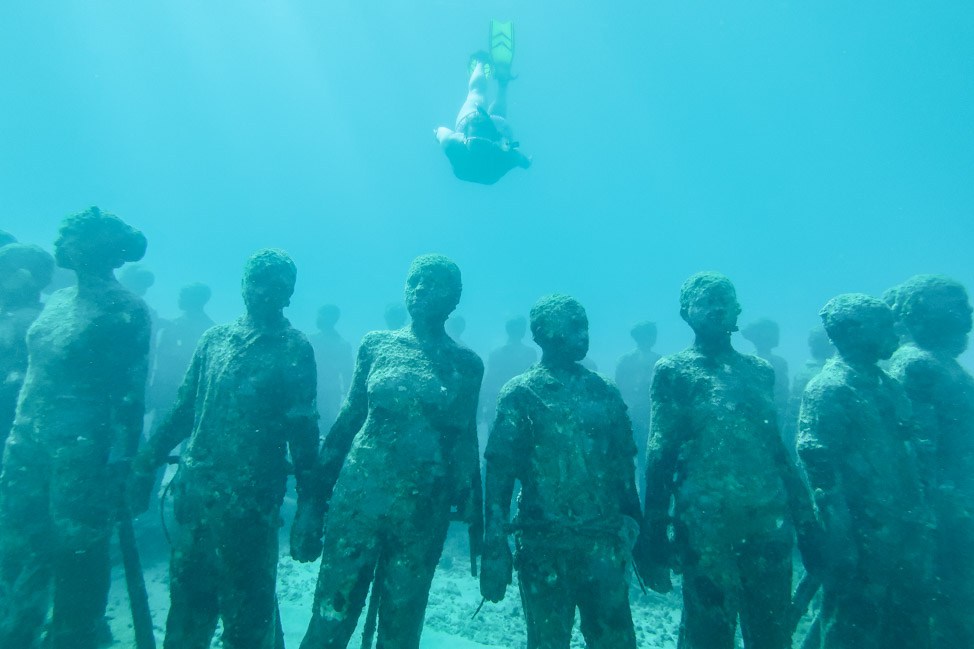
(644, 333)
(860, 327)
(819, 344)
(25, 269)
(516, 327)
(708, 303)
(268, 283)
(193, 297)
(96, 242)
(764, 334)
(433, 288)
(559, 325)
(328, 316)
(936, 311)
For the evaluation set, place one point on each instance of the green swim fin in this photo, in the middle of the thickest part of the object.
(501, 46)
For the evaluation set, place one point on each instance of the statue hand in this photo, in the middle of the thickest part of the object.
(656, 576)
(138, 491)
(306, 533)
(496, 571)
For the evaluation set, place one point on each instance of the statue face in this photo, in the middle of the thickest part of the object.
(431, 294)
(562, 332)
(946, 322)
(266, 294)
(713, 311)
(869, 336)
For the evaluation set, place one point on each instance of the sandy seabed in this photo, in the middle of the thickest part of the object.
(450, 624)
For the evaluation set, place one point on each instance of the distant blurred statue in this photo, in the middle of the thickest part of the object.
(936, 312)
(634, 376)
(247, 403)
(333, 354)
(504, 363)
(78, 422)
(821, 350)
(6, 237)
(481, 147)
(24, 271)
(138, 279)
(765, 335)
(408, 431)
(855, 444)
(174, 349)
(396, 316)
(455, 326)
(738, 498)
(562, 432)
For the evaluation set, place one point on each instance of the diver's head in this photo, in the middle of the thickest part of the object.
(559, 325)
(268, 283)
(936, 311)
(708, 303)
(95, 243)
(433, 288)
(861, 327)
(193, 297)
(25, 269)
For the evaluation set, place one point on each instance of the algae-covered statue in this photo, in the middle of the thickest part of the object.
(821, 350)
(248, 400)
(634, 376)
(562, 431)
(407, 438)
(177, 341)
(855, 433)
(78, 420)
(937, 314)
(24, 270)
(716, 452)
(765, 334)
(504, 363)
(335, 360)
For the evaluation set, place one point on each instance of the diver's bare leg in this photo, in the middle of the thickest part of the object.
(499, 107)
(476, 92)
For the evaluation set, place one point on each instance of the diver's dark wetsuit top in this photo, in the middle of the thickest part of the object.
(479, 160)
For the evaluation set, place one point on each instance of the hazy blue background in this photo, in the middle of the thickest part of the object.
(803, 148)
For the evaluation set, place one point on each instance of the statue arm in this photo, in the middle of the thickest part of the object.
(301, 428)
(350, 420)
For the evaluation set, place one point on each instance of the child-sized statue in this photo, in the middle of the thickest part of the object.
(247, 400)
(407, 437)
(24, 271)
(854, 434)
(738, 498)
(937, 313)
(563, 432)
(78, 419)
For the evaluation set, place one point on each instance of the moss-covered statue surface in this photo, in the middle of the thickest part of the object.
(24, 271)
(79, 416)
(937, 314)
(854, 438)
(716, 453)
(562, 431)
(821, 350)
(248, 399)
(407, 438)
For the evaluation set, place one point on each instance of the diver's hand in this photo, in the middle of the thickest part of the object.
(496, 570)
(306, 533)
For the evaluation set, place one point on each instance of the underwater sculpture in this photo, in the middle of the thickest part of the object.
(821, 350)
(335, 360)
(78, 421)
(503, 364)
(395, 315)
(24, 271)
(481, 147)
(176, 344)
(716, 451)
(6, 238)
(634, 376)
(937, 314)
(854, 433)
(562, 431)
(248, 399)
(765, 335)
(407, 438)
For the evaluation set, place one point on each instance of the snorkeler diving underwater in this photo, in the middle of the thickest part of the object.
(688, 369)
